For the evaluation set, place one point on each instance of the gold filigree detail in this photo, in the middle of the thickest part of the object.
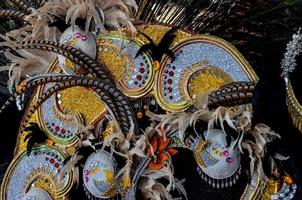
(294, 107)
(201, 147)
(44, 179)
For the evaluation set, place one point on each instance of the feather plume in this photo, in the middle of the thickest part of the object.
(221, 115)
(114, 13)
(28, 62)
(261, 134)
(70, 165)
(181, 189)
(152, 189)
(35, 136)
(169, 121)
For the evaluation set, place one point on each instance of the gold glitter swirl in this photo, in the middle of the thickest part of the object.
(207, 79)
(156, 33)
(45, 179)
(83, 100)
(117, 62)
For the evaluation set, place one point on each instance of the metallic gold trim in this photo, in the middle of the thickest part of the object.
(14, 162)
(133, 93)
(248, 70)
(59, 142)
(254, 190)
(293, 106)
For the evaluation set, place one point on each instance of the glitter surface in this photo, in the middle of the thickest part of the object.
(85, 101)
(134, 75)
(156, 33)
(53, 120)
(194, 55)
(199, 83)
(27, 170)
(99, 174)
(75, 105)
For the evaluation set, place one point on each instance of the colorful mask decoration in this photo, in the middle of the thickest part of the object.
(112, 109)
(99, 175)
(79, 39)
(219, 162)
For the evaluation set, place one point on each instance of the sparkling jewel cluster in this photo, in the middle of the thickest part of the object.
(74, 37)
(293, 49)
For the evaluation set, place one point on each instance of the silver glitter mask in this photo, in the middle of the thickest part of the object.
(99, 174)
(219, 164)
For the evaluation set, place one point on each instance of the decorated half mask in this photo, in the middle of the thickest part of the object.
(99, 174)
(79, 39)
(219, 162)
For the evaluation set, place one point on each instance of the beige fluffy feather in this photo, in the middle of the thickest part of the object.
(115, 14)
(32, 62)
(70, 166)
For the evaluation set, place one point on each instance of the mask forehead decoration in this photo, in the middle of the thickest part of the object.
(113, 108)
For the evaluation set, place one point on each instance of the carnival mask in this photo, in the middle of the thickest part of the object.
(219, 163)
(99, 174)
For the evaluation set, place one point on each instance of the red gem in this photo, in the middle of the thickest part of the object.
(169, 81)
(169, 89)
(139, 77)
(59, 170)
(57, 128)
(229, 160)
(141, 70)
(171, 73)
(63, 131)
(52, 161)
(56, 165)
